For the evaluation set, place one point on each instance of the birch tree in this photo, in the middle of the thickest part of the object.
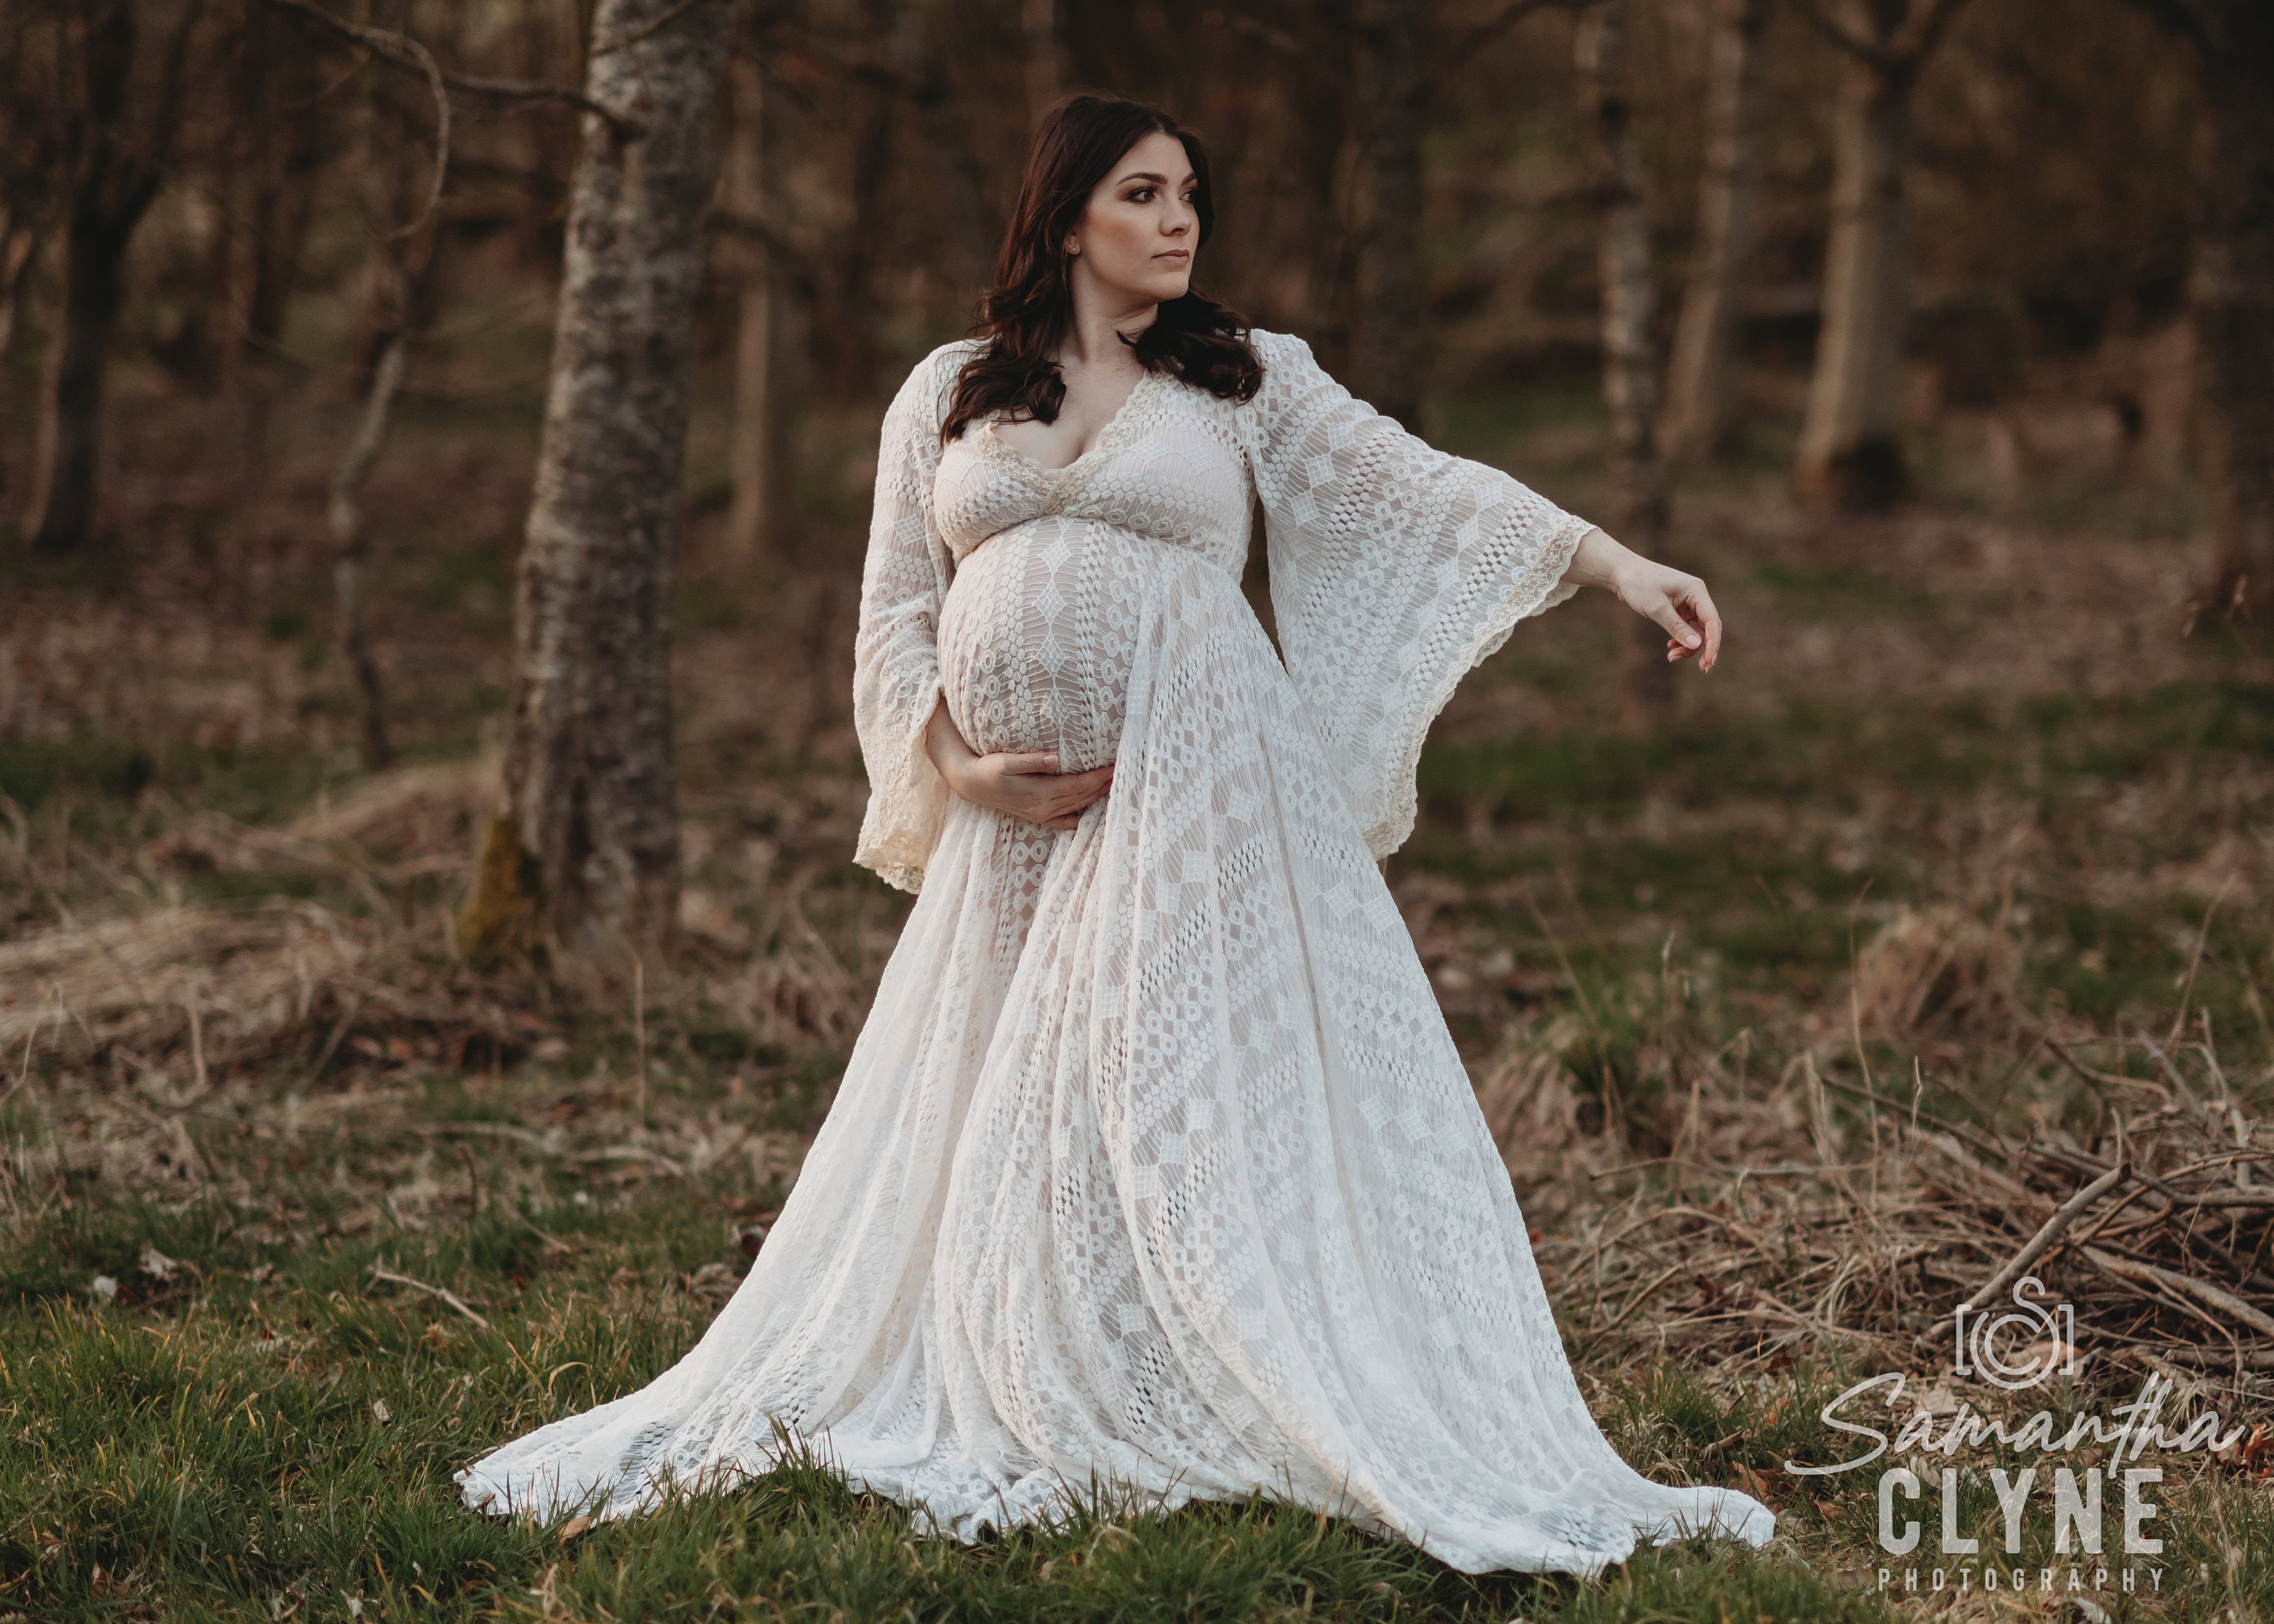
(1388, 348)
(1850, 452)
(401, 272)
(750, 519)
(1638, 508)
(1698, 381)
(2231, 289)
(588, 779)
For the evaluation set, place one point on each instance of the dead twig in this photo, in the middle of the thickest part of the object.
(1958, 1130)
(380, 1271)
(2036, 1247)
(2202, 1290)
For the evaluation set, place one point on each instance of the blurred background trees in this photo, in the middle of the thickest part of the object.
(2231, 292)
(1828, 184)
(1884, 249)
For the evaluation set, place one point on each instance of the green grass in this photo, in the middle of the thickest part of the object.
(273, 1429)
(271, 1432)
(1636, 836)
(1841, 588)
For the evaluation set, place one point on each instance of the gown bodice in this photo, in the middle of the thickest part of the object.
(1167, 468)
(1394, 568)
(1037, 627)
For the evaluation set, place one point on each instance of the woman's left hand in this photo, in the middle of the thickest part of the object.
(1676, 601)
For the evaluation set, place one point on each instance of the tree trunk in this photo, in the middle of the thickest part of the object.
(979, 213)
(1390, 352)
(1850, 452)
(351, 548)
(118, 143)
(856, 317)
(1697, 386)
(277, 153)
(2230, 301)
(750, 519)
(589, 758)
(1038, 28)
(71, 422)
(18, 248)
(1638, 515)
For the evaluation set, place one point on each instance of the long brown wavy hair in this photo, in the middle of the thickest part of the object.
(1024, 316)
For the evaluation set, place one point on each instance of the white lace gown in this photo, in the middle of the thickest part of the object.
(1155, 1167)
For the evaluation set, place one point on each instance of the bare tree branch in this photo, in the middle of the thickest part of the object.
(765, 233)
(1256, 28)
(2049, 1231)
(1459, 49)
(653, 25)
(1847, 39)
(1923, 25)
(426, 60)
(390, 48)
(1924, 29)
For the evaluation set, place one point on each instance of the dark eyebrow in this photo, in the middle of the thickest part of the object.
(1158, 180)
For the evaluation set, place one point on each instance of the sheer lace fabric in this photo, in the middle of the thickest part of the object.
(1154, 1165)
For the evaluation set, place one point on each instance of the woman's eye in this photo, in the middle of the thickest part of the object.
(1144, 194)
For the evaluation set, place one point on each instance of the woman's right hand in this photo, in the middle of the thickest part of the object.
(1026, 783)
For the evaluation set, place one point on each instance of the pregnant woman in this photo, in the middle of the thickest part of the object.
(1155, 1168)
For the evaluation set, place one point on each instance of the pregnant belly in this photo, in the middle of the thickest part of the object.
(1037, 638)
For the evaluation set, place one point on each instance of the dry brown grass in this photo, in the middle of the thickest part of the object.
(1698, 1207)
(1939, 969)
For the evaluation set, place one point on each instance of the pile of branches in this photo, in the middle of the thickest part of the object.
(2156, 1226)
(2175, 1217)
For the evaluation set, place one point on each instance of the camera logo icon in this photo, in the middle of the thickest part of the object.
(2022, 1346)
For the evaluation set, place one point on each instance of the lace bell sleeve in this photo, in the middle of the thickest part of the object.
(896, 653)
(1395, 569)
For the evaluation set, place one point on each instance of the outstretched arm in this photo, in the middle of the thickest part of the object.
(1656, 591)
(1395, 569)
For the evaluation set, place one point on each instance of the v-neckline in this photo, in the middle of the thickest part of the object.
(1102, 443)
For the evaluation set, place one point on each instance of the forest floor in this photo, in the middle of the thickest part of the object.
(1796, 1014)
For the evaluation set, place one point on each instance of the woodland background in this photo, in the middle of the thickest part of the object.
(352, 1127)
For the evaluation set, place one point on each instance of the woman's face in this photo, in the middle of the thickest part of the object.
(1136, 239)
